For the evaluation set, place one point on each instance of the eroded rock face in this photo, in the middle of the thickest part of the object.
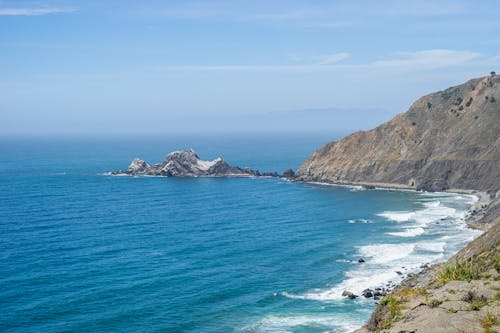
(446, 140)
(138, 166)
(185, 163)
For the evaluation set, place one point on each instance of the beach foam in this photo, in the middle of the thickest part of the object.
(384, 253)
(430, 234)
(360, 221)
(289, 323)
(432, 212)
(411, 232)
(384, 261)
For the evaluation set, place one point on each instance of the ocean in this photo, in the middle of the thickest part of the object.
(82, 251)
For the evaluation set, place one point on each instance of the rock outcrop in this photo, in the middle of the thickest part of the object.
(446, 140)
(186, 164)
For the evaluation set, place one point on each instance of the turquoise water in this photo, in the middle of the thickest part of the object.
(81, 251)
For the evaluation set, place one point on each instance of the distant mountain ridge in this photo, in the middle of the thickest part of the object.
(446, 140)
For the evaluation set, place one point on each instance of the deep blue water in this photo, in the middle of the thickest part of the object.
(82, 251)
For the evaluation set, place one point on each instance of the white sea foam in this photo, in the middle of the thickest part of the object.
(289, 323)
(382, 262)
(366, 221)
(439, 216)
(431, 246)
(355, 282)
(410, 232)
(385, 253)
(397, 216)
(343, 260)
(432, 212)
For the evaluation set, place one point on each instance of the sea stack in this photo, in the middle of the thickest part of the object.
(186, 163)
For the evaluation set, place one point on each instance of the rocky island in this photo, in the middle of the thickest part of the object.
(186, 163)
(446, 141)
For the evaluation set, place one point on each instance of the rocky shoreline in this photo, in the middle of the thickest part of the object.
(459, 295)
(485, 216)
(477, 219)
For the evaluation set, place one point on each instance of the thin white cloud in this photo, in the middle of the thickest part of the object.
(34, 11)
(334, 58)
(298, 14)
(318, 14)
(406, 8)
(429, 59)
(419, 60)
(245, 68)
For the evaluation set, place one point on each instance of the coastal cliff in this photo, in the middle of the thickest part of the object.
(446, 140)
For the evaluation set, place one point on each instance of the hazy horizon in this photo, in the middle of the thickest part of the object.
(92, 68)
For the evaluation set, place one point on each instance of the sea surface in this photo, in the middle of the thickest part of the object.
(81, 251)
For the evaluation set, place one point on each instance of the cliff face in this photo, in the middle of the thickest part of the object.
(446, 140)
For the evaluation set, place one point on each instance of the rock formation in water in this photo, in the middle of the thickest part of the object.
(186, 164)
(446, 140)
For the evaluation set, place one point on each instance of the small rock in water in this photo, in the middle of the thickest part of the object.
(367, 293)
(361, 260)
(349, 294)
(399, 273)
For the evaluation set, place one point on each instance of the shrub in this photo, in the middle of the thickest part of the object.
(469, 102)
(434, 303)
(488, 321)
(471, 297)
(476, 302)
(407, 292)
(477, 305)
(393, 303)
(461, 271)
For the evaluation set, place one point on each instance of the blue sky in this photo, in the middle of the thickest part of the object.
(93, 67)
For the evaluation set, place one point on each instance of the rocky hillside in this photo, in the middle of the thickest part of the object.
(446, 140)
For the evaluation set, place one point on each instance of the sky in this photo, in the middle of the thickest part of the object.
(138, 67)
